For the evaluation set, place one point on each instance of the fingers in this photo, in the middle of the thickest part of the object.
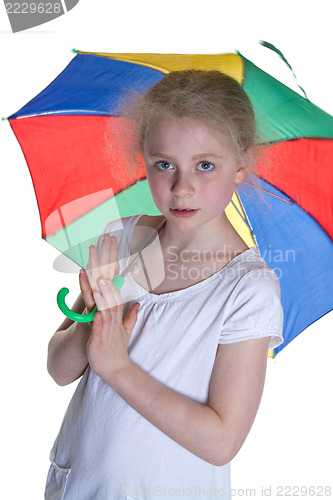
(108, 297)
(94, 272)
(97, 326)
(86, 290)
(113, 264)
(110, 306)
(105, 265)
(108, 323)
(131, 318)
(103, 268)
(106, 253)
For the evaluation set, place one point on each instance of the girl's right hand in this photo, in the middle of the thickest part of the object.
(103, 265)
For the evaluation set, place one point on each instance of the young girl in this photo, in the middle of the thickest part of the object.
(172, 375)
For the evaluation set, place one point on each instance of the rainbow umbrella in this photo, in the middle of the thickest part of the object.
(77, 146)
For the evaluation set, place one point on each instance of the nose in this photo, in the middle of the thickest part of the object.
(182, 184)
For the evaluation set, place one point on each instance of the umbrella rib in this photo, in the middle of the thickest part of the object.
(290, 201)
(64, 227)
(243, 218)
(67, 236)
(69, 112)
(246, 220)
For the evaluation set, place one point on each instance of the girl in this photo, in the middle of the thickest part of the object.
(172, 381)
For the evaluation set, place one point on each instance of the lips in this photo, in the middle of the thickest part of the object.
(183, 212)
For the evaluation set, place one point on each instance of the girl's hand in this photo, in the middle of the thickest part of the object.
(107, 346)
(105, 265)
(86, 291)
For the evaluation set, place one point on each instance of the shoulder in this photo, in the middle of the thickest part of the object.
(143, 229)
(250, 269)
(150, 220)
(122, 224)
(254, 307)
(138, 220)
(254, 280)
(258, 290)
(121, 228)
(139, 227)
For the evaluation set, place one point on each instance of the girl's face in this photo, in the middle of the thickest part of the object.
(190, 166)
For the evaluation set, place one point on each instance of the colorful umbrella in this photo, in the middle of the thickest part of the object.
(77, 146)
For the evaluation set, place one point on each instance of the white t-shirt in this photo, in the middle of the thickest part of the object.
(105, 450)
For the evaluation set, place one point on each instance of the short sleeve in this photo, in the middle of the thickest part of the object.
(254, 309)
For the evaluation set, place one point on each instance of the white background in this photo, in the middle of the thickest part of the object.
(291, 440)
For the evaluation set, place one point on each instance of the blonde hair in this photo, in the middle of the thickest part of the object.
(211, 97)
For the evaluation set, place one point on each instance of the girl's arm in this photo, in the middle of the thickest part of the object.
(67, 350)
(214, 432)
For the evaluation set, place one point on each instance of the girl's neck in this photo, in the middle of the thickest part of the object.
(214, 235)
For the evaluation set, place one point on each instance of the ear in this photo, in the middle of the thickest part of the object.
(246, 165)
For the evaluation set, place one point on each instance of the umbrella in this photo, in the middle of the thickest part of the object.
(77, 146)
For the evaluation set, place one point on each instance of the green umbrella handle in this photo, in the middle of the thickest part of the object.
(118, 281)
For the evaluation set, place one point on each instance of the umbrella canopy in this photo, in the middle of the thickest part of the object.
(77, 146)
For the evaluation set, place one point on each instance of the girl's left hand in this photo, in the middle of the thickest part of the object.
(107, 346)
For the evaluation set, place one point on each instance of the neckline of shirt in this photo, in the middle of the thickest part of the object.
(189, 290)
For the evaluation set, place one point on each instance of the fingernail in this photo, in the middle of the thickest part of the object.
(96, 294)
(103, 281)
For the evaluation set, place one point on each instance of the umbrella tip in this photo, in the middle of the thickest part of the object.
(3, 118)
(75, 51)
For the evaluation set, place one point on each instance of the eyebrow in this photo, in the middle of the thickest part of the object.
(206, 155)
(196, 157)
(161, 155)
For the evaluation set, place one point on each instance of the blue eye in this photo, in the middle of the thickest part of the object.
(205, 166)
(163, 165)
